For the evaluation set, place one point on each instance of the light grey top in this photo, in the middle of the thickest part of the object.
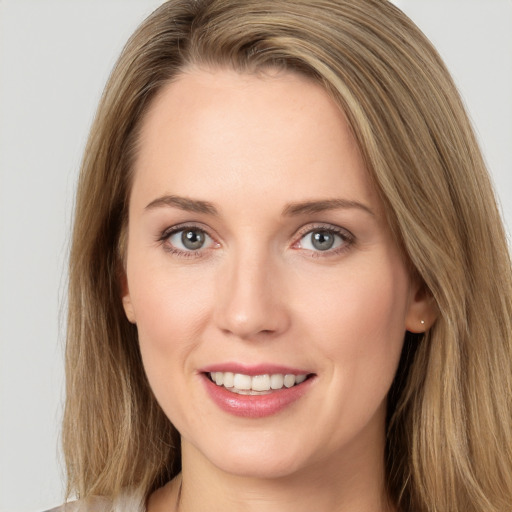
(127, 501)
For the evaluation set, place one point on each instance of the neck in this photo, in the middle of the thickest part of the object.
(325, 486)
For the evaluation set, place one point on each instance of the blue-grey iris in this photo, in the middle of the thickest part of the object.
(322, 240)
(193, 239)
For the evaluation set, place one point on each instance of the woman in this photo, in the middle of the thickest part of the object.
(289, 282)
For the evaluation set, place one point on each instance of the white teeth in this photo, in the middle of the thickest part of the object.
(299, 379)
(277, 381)
(258, 384)
(289, 380)
(229, 379)
(261, 383)
(242, 381)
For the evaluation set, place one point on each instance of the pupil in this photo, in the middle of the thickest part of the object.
(192, 239)
(322, 240)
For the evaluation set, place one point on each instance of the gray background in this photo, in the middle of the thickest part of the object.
(55, 56)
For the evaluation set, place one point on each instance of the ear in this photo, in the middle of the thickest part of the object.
(422, 311)
(126, 298)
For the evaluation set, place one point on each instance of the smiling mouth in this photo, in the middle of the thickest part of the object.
(257, 384)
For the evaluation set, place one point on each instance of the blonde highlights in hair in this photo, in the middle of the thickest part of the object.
(449, 439)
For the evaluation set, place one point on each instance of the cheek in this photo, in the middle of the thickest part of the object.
(371, 300)
(359, 322)
(170, 310)
(170, 314)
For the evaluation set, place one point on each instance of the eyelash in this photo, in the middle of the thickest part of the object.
(163, 239)
(347, 238)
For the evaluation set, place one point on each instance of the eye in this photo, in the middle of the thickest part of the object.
(188, 239)
(324, 240)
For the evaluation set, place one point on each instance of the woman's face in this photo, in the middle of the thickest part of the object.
(259, 256)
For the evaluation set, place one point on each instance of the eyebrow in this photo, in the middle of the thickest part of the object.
(183, 203)
(291, 209)
(311, 207)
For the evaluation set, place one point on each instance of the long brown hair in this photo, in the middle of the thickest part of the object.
(449, 438)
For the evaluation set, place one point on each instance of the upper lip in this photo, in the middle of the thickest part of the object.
(253, 369)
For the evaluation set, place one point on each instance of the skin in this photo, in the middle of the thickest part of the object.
(258, 291)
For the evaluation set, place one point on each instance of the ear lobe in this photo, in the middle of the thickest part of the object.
(422, 311)
(128, 308)
(127, 301)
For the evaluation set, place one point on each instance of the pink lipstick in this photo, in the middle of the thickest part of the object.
(255, 391)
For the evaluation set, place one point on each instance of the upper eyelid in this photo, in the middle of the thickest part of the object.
(326, 227)
(299, 233)
(182, 227)
(347, 237)
(163, 237)
(166, 234)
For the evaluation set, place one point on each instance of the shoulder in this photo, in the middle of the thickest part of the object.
(126, 502)
(94, 504)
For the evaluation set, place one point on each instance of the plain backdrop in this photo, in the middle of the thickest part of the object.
(55, 56)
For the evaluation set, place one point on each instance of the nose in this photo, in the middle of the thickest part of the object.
(251, 300)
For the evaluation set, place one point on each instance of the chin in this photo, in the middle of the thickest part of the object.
(248, 458)
(259, 467)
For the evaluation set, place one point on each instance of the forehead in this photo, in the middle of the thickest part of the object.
(219, 132)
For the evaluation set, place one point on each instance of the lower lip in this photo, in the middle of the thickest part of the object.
(255, 406)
